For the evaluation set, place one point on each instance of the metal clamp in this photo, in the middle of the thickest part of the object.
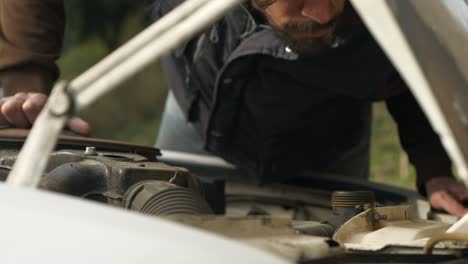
(62, 100)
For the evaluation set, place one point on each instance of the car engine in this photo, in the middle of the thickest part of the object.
(316, 219)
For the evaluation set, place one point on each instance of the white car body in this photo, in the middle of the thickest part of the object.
(40, 227)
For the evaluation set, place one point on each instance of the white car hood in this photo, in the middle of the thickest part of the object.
(40, 227)
(427, 41)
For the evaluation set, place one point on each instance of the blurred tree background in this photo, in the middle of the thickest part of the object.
(94, 29)
(132, 112)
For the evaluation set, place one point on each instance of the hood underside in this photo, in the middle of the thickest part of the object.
(426, 41)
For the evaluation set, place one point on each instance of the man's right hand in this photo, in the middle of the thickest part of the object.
(446, 193)
(22, 109)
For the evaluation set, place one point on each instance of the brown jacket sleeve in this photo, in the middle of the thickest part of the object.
(31, 35)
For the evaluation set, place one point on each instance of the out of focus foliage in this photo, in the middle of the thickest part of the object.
(103, 18)
(132, 112)
(94, 29)
(389, 163)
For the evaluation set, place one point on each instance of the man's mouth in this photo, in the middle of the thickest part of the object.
(317, 32)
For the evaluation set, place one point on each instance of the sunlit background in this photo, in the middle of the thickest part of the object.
(132, 112)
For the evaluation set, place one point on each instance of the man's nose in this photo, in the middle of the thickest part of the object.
(321, 11)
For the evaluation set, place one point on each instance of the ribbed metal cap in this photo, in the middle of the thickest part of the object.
(352, 199)
(164, 198)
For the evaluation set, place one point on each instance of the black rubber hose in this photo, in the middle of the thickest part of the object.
(77, 179)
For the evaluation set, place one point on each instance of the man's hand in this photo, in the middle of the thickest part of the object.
(22, 109)
(447, 194)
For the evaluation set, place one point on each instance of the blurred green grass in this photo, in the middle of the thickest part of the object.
(389, 163)
(133, 111)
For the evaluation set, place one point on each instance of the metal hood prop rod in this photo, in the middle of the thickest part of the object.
(168, 33)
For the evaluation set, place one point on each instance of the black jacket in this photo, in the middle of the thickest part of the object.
(214, 74)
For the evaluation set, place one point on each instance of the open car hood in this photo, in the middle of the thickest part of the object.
(426, 41)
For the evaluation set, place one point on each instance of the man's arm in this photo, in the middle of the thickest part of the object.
(31, 36)
(433, 166)
(30, 43)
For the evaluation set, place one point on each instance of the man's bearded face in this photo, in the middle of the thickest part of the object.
(309, 27)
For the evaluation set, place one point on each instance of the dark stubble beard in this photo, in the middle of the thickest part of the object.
(343, 29)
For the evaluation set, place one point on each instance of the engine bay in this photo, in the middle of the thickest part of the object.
(316, 219)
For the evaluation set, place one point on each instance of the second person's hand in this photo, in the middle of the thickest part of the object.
(22, 109)
(446, 193)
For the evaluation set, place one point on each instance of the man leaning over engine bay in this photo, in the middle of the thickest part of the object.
(277, 87)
